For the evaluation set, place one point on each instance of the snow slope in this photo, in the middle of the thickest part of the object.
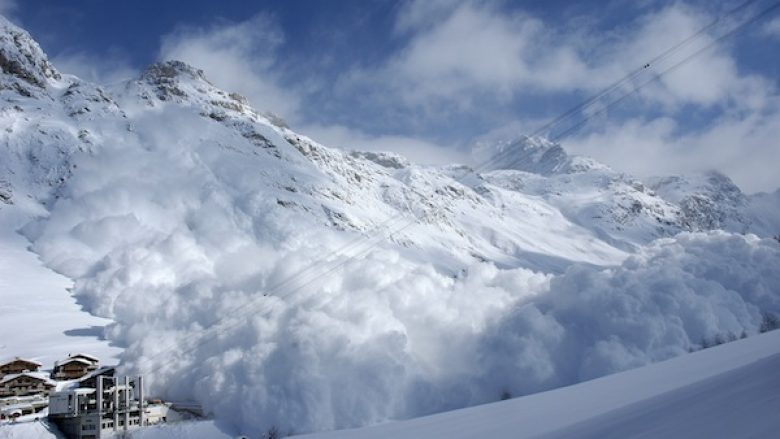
(40, 319)
(283, 283)
(725, 391)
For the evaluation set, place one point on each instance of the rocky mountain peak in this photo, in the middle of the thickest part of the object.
(385, 159)
(172, 70)
(21, 58)
(168, 79)
(537, 155)
(708, 200)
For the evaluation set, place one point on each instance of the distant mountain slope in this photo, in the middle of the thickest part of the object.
(281, 282)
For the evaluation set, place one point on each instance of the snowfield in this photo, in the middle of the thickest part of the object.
(284, 284)
(40, 319)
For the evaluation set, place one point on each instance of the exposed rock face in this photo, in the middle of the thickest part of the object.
(539, 156)
(165, 76)
(22, 58)
(385, 159)
(707, 201)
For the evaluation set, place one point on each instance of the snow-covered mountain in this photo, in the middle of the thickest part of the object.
(280, 282)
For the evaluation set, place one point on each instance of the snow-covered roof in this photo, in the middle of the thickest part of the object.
(73, 360)
(85, 356)
(21, 359)
(35, 375)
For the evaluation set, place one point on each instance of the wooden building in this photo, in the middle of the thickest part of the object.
(74, 367)
(92, 359)
(18, 365)
(25, 384)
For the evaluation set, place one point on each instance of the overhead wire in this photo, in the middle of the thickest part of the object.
(675, 66)
(620, 83)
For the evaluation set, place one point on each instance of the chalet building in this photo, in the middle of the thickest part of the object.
(111, 407)
(74, 367)
(92, 359)
(25, 384)
(18, 365)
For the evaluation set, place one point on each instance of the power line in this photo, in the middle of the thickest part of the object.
(641, 69)
(675, 66)
(628, 77)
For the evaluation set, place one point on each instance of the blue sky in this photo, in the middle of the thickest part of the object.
(431, 78)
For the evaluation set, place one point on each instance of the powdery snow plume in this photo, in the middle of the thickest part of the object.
(674, 296)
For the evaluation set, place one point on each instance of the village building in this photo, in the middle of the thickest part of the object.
(92, 359)
(112, 406)
(18, 365)
(74, 367)
(25, 384)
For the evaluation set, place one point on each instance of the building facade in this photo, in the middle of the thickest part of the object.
(26, 384)
(17, 366)
(74, 367)
(111, 407)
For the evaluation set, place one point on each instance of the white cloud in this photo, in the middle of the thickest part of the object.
(238, 57)
(469, 66)
(744, 146)
(243, 57)
(700, 72)
(472, 47)
(458, 53)
(478, 60)
(108, 69)
(738, 141)
(772, 28)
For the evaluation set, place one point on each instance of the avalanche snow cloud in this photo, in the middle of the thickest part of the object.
(383, 336)
(178, 243)
(281, 283)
